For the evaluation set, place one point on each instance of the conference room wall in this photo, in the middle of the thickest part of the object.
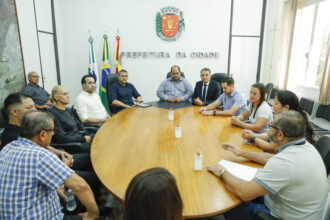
(207, 30)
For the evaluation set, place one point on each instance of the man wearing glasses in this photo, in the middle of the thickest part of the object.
(293, 182)
(37, 93)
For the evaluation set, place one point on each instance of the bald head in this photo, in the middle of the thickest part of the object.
(292, 124)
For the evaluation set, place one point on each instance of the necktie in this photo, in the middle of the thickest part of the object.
(204, 93)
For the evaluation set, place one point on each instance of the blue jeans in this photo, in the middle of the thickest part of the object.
(247, 210)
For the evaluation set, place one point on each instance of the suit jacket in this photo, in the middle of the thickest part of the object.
(213, 92)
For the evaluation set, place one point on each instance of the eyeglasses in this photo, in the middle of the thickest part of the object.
(289, 136)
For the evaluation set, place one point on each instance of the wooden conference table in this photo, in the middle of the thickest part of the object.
(140, 138)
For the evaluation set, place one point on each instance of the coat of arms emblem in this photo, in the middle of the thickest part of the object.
(169, 23)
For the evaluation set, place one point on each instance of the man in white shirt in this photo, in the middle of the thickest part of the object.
(293, 181)
(88, 104)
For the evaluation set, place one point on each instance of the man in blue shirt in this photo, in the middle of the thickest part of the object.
(233, 101)
(121, 92)
(32, 176)
(175, 88)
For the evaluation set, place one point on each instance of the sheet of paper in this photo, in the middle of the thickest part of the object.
(243, 172)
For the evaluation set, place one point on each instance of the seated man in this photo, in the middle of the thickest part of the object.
(207, 90)
(32, 192)
(121, 92)
(38, 94)
(175, 88)
(15, 106)
(88, 104)
(233, 101)
(293, 181)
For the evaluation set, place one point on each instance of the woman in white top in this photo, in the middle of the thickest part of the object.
(258, 113)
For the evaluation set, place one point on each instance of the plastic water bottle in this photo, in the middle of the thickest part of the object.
(198, 163)
(171, 114)
(70, 202)
(178, 130)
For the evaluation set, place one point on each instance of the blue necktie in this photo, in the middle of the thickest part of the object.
(204, 93)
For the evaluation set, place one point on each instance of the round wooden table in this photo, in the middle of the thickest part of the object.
(140, 138)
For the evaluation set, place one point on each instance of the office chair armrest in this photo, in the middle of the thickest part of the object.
(263, 216)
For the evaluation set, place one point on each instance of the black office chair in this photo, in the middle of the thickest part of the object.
(219, 77)
(323, 147)
(91, 128)
(273, 93)
(269, 88)
(169, 75)
(111, 79)
(306, 105)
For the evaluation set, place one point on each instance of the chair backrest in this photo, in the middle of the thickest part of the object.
(111, 79)
(74, 113)
(219, 77)
(169, 75)
(323, 147)
(323, 111)
(269, 88)
(306, 104)
(273, 93)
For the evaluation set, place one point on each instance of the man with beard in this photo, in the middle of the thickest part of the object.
(293, 181)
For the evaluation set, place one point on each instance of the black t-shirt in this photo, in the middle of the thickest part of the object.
(10, 133)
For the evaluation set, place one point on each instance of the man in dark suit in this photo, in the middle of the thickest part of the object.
(207, 90)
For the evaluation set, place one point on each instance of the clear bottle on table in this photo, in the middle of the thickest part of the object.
(198, 163)
(171, 114)
(178, 130)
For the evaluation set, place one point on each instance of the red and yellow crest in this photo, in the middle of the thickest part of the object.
(169, 23)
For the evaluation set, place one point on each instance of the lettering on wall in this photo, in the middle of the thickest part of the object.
(194, 55)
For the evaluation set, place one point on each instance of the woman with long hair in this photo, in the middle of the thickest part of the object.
(153, 194)
(258, 113)
(285, 100)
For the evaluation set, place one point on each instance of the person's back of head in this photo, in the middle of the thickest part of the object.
(286, 97)
(153, 194)
(34, 122)
(292, 124)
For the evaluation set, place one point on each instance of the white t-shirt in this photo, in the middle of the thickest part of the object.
(89, 105)
(264, 111)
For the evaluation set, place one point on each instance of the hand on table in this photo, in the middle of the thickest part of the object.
(178, 100)
(247, 134)
(234, 149)
(171, 99)
(198, 101)
(215, 168)
(206, 113)
(235, 121)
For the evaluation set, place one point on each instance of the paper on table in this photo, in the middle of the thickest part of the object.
(243, 172)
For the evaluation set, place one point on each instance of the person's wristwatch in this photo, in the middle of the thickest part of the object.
(253, 139)
(221, 172)
(214, 112)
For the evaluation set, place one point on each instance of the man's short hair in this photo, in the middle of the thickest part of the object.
(122, 71)
(12, 100)
(35, 121)
(229, 80)
(83, 79)
(176, 67)
(292, 124)
(205, 69)
(30, 73)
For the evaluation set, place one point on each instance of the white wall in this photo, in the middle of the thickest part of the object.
(207, 30)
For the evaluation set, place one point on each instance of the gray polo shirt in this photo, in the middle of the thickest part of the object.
(297, 181)
(37, 93)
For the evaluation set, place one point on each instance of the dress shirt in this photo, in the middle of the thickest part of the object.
(123, 94)
(207, 86)
(30, 175)
(235, 98)
(37, 93)
(89, 106)
(170, 89)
